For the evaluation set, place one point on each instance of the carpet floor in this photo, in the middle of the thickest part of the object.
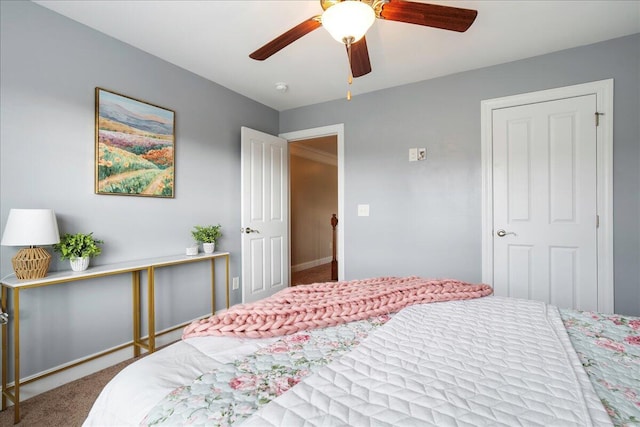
(64, 406)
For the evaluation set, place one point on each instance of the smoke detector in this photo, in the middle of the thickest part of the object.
(282, 87)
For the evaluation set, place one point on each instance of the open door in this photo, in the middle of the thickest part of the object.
(264, 214)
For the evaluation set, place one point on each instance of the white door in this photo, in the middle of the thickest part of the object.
(264, 214)
(544, 202)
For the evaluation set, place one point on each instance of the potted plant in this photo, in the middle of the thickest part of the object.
(207, 235)
(78, 249)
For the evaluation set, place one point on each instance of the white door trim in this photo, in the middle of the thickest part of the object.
(338, 130)
(603, 90)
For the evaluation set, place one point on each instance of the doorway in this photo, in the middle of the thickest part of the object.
(334, 133)
(547, 196)
(313, 195)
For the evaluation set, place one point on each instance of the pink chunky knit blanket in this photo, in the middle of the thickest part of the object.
(327, 304)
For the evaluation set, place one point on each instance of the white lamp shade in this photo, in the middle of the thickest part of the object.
(31, 227)
(348, 19)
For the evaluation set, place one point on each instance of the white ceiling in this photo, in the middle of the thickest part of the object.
(214, 38)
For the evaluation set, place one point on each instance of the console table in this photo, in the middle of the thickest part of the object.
(135, 268)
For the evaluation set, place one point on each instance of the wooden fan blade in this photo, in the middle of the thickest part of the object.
(430, 15)
(360, 64)
(286, 39)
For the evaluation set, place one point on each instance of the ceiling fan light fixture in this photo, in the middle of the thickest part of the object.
(348, 21)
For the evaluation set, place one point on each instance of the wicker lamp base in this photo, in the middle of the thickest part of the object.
(31, 263)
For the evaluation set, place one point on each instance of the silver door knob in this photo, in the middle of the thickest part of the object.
(502, 233)
(248, 230)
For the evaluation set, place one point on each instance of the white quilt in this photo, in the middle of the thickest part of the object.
(490, 361)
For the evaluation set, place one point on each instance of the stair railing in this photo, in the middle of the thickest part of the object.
(334, 260)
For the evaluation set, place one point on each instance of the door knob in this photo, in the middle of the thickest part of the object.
(248, 230)
(502, 233)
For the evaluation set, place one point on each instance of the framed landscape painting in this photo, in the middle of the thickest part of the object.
(135, 147)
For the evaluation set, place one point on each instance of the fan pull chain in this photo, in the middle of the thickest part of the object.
(350, 78)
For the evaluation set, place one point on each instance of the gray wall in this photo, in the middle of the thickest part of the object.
(425, 216)
(50, 66)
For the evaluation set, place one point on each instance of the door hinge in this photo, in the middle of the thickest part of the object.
(597, 221)
(598, 118)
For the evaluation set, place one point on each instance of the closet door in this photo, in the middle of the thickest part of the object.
(544, 202)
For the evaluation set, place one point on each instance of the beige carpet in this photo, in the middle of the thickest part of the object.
(64, 406)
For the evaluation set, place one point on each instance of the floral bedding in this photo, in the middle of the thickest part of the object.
(607, 345)
(609, 349)
(236, 390)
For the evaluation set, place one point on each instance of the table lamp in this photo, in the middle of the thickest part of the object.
(31, 227)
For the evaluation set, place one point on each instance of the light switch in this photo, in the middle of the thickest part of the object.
(413, 154)
(363, 210)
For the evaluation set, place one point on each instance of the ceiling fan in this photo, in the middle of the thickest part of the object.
(348, 21)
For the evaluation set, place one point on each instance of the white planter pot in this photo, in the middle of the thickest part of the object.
(79, 264)
(209, 247)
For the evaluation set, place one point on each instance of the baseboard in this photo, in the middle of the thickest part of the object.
(310, 264)
(33, 385)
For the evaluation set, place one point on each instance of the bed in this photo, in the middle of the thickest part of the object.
(454, 357)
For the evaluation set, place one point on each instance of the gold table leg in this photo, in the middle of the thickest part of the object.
(5, 347)
(135, 283)
(213, 286)
(152, 312)
(16, 355)
(227, 258)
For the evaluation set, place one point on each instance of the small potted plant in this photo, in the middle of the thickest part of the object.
(207, 235)
(78, 249)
